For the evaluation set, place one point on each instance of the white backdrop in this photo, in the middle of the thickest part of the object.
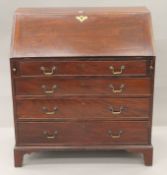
(158, 9)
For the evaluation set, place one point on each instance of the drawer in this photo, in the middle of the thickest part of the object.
(83, 108)
(111, 68)
(99, 86)
(82, 133)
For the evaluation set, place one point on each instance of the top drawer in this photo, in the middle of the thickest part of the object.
(77, 68)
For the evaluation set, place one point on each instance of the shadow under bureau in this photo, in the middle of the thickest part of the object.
(82, 79)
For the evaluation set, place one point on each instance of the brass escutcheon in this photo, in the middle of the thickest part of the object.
(81, 18)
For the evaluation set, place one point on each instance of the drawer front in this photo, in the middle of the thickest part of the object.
(112, 68)
(63, 86)
(83, 108)
(82, 133)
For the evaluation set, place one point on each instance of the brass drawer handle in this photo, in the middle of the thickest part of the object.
(46, 111)
(46, 72)
(117, 90)
(49, 92)
(50, 136)
(117, 72)
(115, 136)
(116, 112)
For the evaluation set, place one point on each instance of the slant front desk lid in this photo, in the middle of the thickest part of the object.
(52, 32)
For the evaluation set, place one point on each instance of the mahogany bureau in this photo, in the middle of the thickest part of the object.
(82, 79)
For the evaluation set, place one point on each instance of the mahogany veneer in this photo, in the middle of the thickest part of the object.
(82, 79)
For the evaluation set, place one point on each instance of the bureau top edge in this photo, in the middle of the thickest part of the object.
(61, 10)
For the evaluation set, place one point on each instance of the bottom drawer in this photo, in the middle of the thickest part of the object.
(83, 133)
